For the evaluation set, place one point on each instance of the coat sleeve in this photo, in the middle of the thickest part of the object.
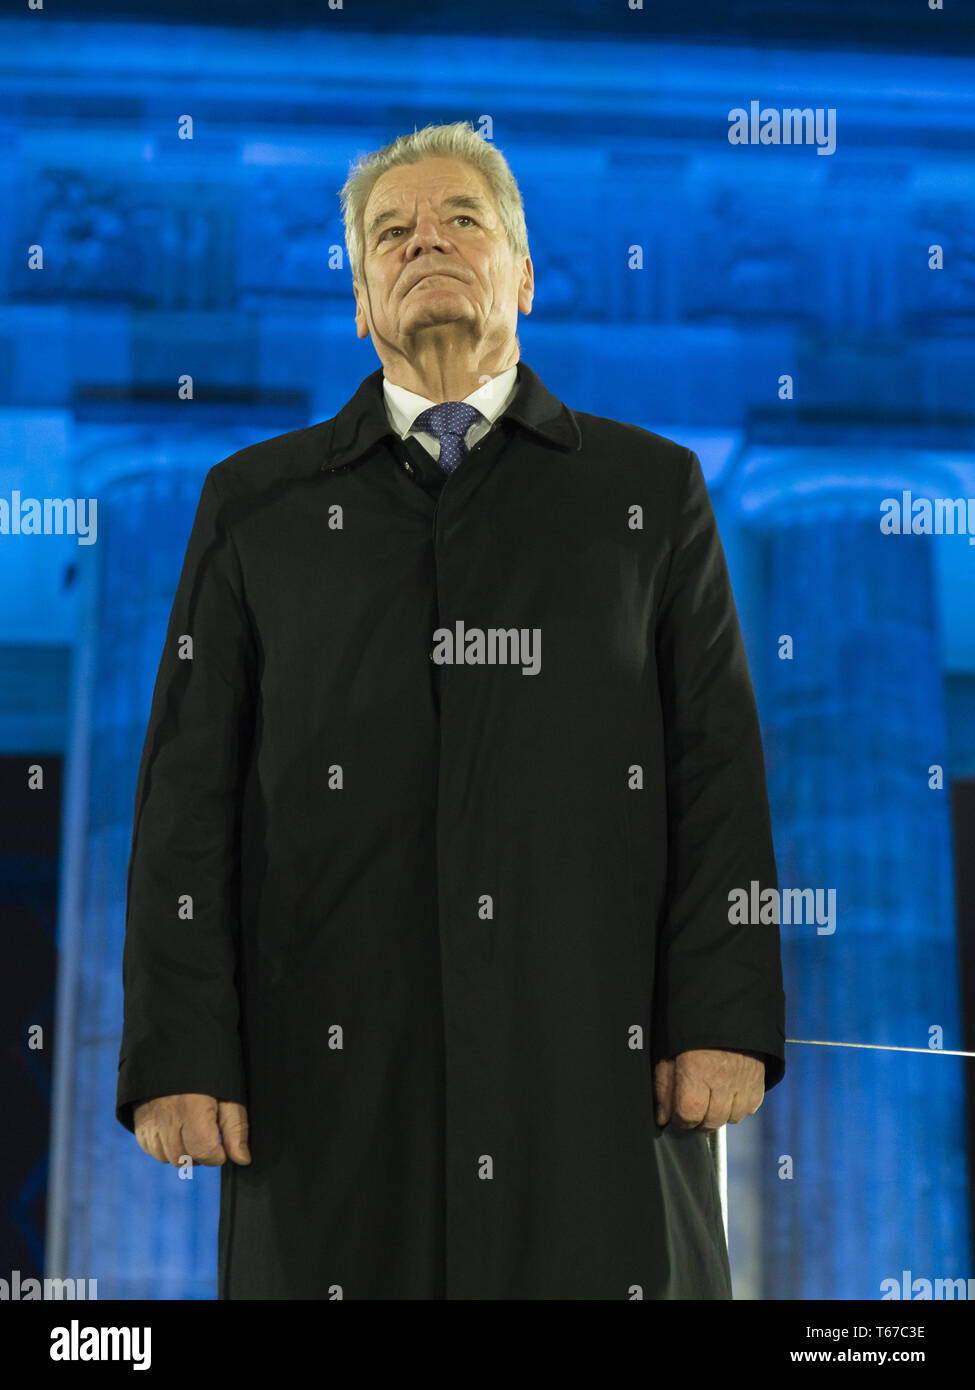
(718, 985)
(180, 1027)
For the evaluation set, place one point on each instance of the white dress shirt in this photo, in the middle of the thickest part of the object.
(491, 399)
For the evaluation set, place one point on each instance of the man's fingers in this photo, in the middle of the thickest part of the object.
(171, 1140)
(174, 1128)
(189, 1129)
(691, 1100)
(713, 1087)
(200, 1139)
(746, 1103)
(754, 1102)
(149, 1141)
(739, 1108)
(663, 1085)
(720, 1109)
(729, 1107)
(232, 1119)
(748, 1099)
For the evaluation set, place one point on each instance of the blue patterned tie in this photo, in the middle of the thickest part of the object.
(449, 422)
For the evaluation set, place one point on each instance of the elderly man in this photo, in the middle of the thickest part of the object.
(451, 766)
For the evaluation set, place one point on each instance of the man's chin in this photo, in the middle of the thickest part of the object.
(437, 318)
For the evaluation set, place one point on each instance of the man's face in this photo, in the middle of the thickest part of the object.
(436, 262)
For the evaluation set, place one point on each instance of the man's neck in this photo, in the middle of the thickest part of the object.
(447, 377)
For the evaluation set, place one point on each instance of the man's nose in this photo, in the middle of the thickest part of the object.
(426, 235)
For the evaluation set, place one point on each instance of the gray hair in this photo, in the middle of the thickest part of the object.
(458, 140)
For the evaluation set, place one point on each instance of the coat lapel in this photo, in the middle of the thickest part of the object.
(362, 422)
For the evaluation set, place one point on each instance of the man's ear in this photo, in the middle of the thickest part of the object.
(526, 287)
(361, 325)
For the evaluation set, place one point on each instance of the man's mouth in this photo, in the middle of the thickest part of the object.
(433, 274)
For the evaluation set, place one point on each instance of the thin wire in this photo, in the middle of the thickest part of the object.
(881, 1047)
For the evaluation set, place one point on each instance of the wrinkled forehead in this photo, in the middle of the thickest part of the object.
(439, 181)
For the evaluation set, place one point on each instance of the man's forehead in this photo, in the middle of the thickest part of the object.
(435, 179)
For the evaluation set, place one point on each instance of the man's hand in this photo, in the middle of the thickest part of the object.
(708, 1088)
(173, 1127)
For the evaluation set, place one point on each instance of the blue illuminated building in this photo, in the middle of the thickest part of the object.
(773, 309)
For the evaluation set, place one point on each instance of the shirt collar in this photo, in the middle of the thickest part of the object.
(363, 421)
(490, 399)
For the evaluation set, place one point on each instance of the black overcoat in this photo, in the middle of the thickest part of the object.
(445, 786)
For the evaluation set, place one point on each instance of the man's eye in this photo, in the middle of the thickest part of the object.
(461, 216)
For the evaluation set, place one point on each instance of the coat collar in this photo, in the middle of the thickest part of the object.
(363, 421)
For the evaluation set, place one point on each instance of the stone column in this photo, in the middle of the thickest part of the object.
(115, 1214)
(852, 724)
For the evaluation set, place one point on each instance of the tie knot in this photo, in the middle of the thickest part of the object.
(449, 417)
(449, 422)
